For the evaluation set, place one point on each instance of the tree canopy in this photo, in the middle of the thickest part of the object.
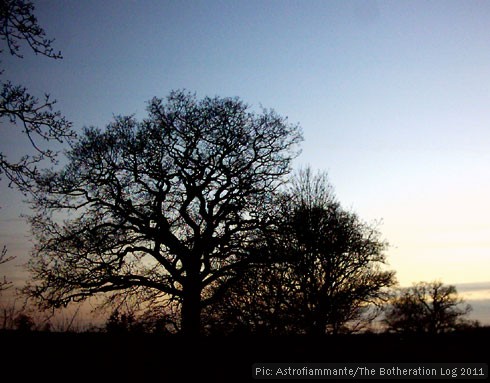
(162, 208)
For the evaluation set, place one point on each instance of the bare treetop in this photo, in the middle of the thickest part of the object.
(18, 24)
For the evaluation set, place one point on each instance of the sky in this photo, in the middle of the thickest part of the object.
(392, 97)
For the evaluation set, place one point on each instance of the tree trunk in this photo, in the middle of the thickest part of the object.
(191, 309)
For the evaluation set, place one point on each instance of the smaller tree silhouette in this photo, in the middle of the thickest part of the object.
(426, 307)
(119, 323)
(24, 322)
(323, 270)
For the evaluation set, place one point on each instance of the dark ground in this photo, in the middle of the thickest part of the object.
(96, 357)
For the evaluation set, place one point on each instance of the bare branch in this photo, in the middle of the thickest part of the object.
(35, 118)
(18, 24)
(5, 283)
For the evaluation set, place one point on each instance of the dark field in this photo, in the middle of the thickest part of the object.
(141, 358)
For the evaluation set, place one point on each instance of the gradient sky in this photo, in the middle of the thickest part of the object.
(393, 98)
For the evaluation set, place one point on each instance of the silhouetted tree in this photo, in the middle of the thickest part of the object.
(35, 117)
(325, 272)
(426, 307)
(165, 207)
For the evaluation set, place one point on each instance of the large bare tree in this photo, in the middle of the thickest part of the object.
(164, 207)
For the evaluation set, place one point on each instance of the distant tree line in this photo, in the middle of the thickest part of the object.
(424, 308)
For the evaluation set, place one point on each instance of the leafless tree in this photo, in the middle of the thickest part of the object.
(426, 307)
(166, 207)
(326, 270)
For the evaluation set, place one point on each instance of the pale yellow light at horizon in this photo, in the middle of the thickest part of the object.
(453, 253)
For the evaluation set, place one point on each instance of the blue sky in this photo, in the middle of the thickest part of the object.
(392, 97)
